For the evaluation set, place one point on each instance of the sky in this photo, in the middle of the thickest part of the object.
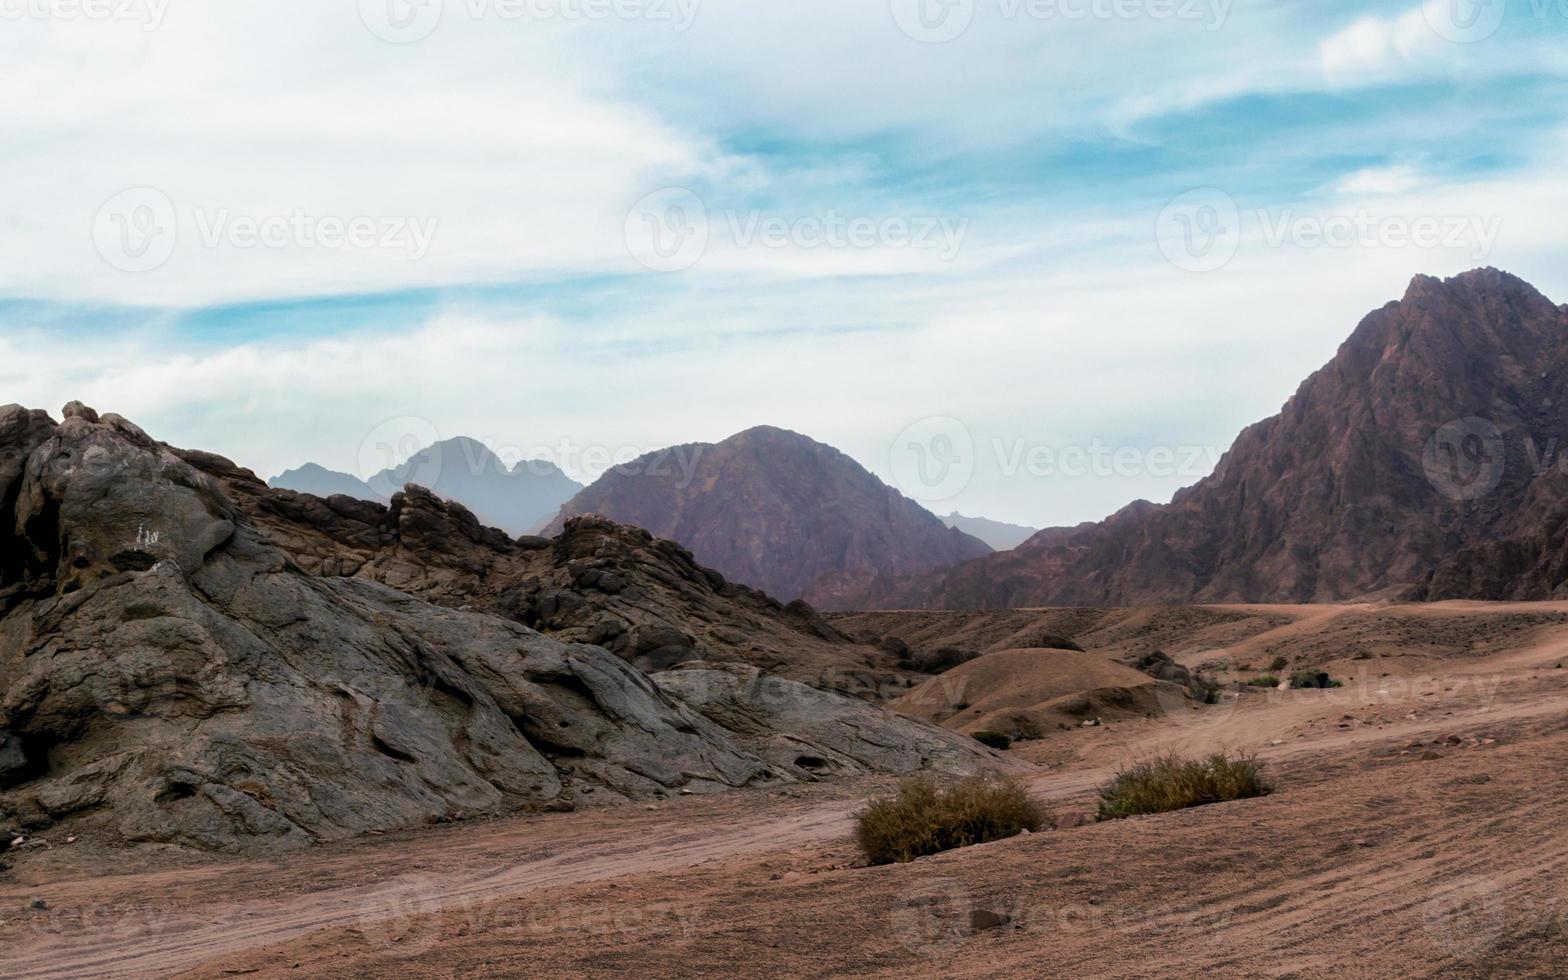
(1024, 259)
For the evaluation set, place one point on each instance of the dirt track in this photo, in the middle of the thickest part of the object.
(1371, 860)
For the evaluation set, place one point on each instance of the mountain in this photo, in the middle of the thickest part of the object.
(189, 658)
(515, 499)
(1000, 536)
(777, 511)
(1394, 469)
(323, 482)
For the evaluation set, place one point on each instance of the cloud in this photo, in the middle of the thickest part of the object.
(1376, 47)
(1397, 179)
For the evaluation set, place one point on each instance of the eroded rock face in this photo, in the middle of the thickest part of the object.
(644, 598)
(847, 737)
(169, 672)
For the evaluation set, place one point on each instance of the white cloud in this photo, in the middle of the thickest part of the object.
(1376, 47)
(1397, 179)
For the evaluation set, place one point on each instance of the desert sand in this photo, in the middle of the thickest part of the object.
(1416, 830)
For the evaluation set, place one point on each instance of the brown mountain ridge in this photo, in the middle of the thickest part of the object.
(778, 511)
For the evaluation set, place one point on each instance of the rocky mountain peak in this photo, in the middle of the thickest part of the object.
(776, 510)
(1414, 442)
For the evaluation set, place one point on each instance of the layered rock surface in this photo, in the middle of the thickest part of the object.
(171, 671)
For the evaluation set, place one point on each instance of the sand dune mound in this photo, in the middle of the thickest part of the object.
(1029, 689)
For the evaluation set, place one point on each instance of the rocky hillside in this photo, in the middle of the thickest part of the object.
(777, 511)
(172, 671)
(1416, 448)
(596, 582)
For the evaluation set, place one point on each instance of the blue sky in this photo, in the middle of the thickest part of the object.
(582, 229)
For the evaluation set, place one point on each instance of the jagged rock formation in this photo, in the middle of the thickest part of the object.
(777, 511)
(1421, 439)
(597, 582)
(169, 671)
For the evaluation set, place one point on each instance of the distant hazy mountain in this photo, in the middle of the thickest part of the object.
(777, 511)
(323, 482)
(517, 500)
(1001, 536)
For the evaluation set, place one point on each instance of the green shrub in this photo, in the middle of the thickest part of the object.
(1169, 782)
(1263, 680)
(1279, 663)
(995, 740)
(924, 817)
(1312, 679)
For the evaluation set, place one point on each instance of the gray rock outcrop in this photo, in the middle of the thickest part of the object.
(169, 673)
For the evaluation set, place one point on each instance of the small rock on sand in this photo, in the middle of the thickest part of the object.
(981, 920)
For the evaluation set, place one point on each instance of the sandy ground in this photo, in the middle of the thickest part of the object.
(1416, 831)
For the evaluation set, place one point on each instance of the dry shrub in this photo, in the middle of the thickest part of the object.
(925, 817)
(1306, 679)
(1169, 782)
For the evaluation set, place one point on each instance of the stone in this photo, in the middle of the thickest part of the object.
(981, 920)
(173, 674)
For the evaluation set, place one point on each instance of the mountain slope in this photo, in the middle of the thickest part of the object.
(777, 511)
(996, 534)
(1412, 444)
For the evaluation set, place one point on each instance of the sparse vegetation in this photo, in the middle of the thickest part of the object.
(1169, 782)
(1206, 688)
(1279, 663)
(995, 740)
(1262, 680)
(1304, 679)
(924, 817)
